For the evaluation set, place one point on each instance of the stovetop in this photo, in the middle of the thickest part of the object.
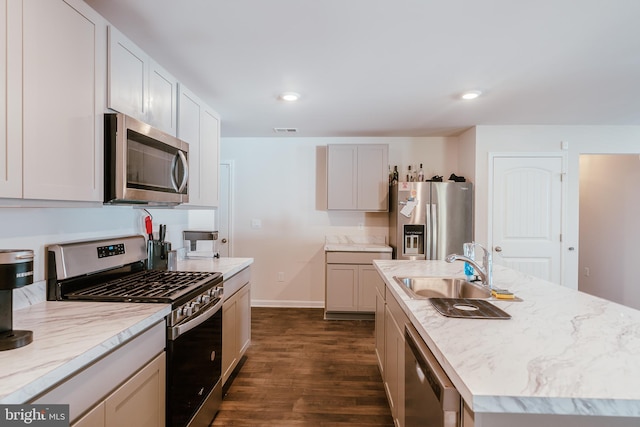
(149, 286)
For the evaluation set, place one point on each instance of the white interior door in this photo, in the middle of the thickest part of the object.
(223, 216)
(527, 215)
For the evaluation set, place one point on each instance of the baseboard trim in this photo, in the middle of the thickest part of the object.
(287, 303)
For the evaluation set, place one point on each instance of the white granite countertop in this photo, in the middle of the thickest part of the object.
(70, 335)
(562, 352)
(227, 266)
(356, 244)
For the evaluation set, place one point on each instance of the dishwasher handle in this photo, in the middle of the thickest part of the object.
(433, 373)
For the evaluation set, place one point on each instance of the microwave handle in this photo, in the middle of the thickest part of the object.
(185, 174)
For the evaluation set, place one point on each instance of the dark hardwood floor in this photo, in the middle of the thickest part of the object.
(302, 370)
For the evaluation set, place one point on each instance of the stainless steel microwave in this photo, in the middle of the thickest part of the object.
(143, 165)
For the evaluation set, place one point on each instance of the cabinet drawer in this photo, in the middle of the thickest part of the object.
(355, 257)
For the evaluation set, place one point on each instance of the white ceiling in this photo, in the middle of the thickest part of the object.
(395, 67)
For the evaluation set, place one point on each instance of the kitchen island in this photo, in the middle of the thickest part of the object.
(564, 358)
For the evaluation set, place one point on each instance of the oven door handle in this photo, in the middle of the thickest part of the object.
(183, 328)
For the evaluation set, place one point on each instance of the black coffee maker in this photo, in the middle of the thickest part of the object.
(16, 270)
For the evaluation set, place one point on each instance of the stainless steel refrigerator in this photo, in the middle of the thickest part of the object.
(430, 220)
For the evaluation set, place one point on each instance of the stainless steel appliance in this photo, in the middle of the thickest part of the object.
(16, 270)
(430, 398)
(430, 220)
(143, 165)
(115, 270)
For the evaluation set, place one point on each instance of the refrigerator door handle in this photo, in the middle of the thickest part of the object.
(429, 232)
(434, 231)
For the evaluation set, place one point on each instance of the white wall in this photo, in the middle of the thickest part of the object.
(34, 228)
(277, 184)
(609, 227)
(580, 140)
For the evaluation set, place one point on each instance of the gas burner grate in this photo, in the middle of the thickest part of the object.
(148, 284)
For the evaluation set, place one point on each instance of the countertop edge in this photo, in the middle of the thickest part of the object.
(69, 368)
(529, 404)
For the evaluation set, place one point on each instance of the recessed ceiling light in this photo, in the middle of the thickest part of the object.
(289, 96)
(472, 94)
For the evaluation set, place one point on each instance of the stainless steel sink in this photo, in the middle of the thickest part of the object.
(441, 287)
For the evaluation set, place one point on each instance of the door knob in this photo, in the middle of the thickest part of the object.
(224, 240)
(498, 249)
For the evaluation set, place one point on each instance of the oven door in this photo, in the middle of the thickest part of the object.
(194, 369)
(143, 164)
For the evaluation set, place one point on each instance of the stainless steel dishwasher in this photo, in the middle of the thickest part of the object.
(430, 398)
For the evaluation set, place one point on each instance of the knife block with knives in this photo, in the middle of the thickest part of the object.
(157, 250)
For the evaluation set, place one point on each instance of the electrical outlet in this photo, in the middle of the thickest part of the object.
(587, 272)
(281, 276)
(256, 223)
(360, 226)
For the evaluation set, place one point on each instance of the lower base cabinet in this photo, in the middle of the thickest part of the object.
(138, 402)
(236, 323)
(389, 346)
(351, 282)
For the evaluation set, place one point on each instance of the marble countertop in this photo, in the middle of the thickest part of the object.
(562, 352)
(70, 335)
(227, 266)
(356, 244)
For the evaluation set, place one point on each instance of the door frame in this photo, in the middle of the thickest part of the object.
(231, 164)
(562, 155)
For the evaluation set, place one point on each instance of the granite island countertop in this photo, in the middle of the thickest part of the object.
(562, 352)
(71, 335)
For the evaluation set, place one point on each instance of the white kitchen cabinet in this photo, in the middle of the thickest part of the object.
(199, 126)
(394, 323)
(55, 62)
(351, 282)
(128, 383)
(236, 322)
(379, 326)
(140, 401)
(10, 98)
(140, 87)
(358, 177)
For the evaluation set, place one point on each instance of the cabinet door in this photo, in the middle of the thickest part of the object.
(368, 280)
(209, 158)
(243, 316)
(93, 418)
(10, 99)
(163, 99)
(63, 71)
(391, 361)
(342, 287)
(342, 167)
(229, 310)
(379, 333)
(141, 400)
(373, 177)
(199, 126)
(128, 81)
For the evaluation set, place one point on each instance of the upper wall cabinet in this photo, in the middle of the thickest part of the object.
(54, 65)
(138, 86)
(199, 126)
(358, 177)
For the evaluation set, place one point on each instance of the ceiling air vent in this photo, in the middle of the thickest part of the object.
(285, 130)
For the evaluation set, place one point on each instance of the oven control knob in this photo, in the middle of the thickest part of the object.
(205, 299)
(188, 310)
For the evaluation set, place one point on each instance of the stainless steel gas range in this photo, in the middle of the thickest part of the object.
(115, 269)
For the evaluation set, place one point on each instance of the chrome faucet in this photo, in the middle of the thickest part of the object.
(485, 270)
